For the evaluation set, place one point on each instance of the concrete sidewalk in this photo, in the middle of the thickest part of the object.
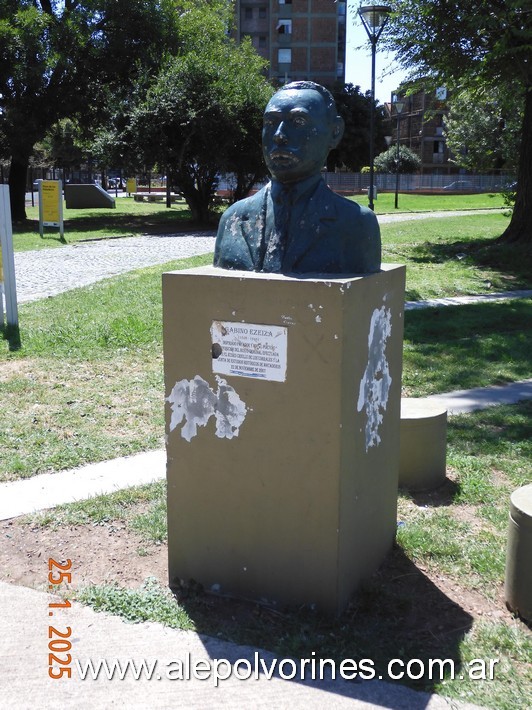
(464, 401)
(96, 636)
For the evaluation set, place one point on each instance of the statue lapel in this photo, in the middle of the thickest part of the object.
(320, 214)
(253, 226)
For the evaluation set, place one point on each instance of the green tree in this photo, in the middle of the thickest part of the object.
(478, 43)
(483, 130)
(62, 146)
(203, 114)
(355, 108)
(409, 162)
(59, 59)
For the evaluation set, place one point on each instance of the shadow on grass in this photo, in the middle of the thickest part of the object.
(514, 262)
(442, 496)
(398, 613)
(493, 428)
(467, 346)
(11, 333)
(120, 224)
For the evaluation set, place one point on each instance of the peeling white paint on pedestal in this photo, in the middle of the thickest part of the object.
(196, 402)
(375, 384)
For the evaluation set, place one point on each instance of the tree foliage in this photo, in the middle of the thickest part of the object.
(202, 115)
(478, 43)
(62, 146)
(355, 108)
(59, 59)
(409, 162)
(483, 130)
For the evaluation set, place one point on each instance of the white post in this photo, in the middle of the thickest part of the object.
(8, 258)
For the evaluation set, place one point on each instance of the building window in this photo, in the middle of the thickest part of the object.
(262, 40)
(262, 13)
(284, 27)
(285, 2)
(284, 56)
(248, 13)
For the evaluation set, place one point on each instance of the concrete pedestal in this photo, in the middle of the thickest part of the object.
(283, 407)
(423, 444)
(518, 578)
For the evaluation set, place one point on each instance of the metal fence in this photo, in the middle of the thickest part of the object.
(359, 182)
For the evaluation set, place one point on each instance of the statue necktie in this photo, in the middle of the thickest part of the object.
(278, 223)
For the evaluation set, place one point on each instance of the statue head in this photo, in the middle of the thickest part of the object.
(301, 125)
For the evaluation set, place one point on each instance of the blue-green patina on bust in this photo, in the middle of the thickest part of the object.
(296, 224)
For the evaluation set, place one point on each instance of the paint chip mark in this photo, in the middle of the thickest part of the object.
(195, 402)
(376, 382)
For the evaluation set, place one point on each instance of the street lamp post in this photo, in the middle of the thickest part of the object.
(399, 106)
(374, 19)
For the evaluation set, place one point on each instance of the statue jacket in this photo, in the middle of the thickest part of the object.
(326, 233)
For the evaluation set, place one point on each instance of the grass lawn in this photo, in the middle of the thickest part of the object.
(456, 256)
(410, 202)
(87, 385)
(130, 218)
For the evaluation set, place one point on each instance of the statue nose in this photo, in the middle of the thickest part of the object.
(279, 136)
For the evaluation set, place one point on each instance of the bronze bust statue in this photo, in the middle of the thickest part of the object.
(296, 224)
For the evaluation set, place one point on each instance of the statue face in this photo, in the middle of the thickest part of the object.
(297, 134)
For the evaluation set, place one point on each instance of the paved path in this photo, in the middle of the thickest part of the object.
(25, 683)
(47, 272)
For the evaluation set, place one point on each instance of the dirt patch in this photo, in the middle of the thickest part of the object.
(112, 553)
(100, 554)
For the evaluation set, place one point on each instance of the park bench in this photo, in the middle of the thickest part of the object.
(154, 197)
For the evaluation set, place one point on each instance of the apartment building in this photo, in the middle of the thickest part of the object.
(421, 125)
(302, 39)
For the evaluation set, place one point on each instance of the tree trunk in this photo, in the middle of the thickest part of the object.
(520, 228)
(198, 199)
(17, 188)
(196, 204)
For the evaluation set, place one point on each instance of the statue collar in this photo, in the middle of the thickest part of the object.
(296, 191)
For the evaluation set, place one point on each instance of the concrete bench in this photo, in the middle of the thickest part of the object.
(422, 453)
(518, 577)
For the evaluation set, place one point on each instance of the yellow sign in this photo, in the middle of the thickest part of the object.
(131, 185)
(51, 198)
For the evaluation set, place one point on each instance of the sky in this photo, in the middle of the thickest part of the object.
(358, 61)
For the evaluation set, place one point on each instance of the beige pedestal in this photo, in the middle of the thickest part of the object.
(283, 405)
(518, 579)
(423, 444)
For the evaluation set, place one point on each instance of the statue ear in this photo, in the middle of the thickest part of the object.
(338, 131)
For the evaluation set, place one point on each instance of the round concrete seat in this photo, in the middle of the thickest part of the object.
(518, 579)
(423, 444)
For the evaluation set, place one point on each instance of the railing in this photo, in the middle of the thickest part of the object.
(359, 182)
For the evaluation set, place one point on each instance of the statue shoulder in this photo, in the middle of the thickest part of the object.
(242, 211)
(246, 206)
(355, 211)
